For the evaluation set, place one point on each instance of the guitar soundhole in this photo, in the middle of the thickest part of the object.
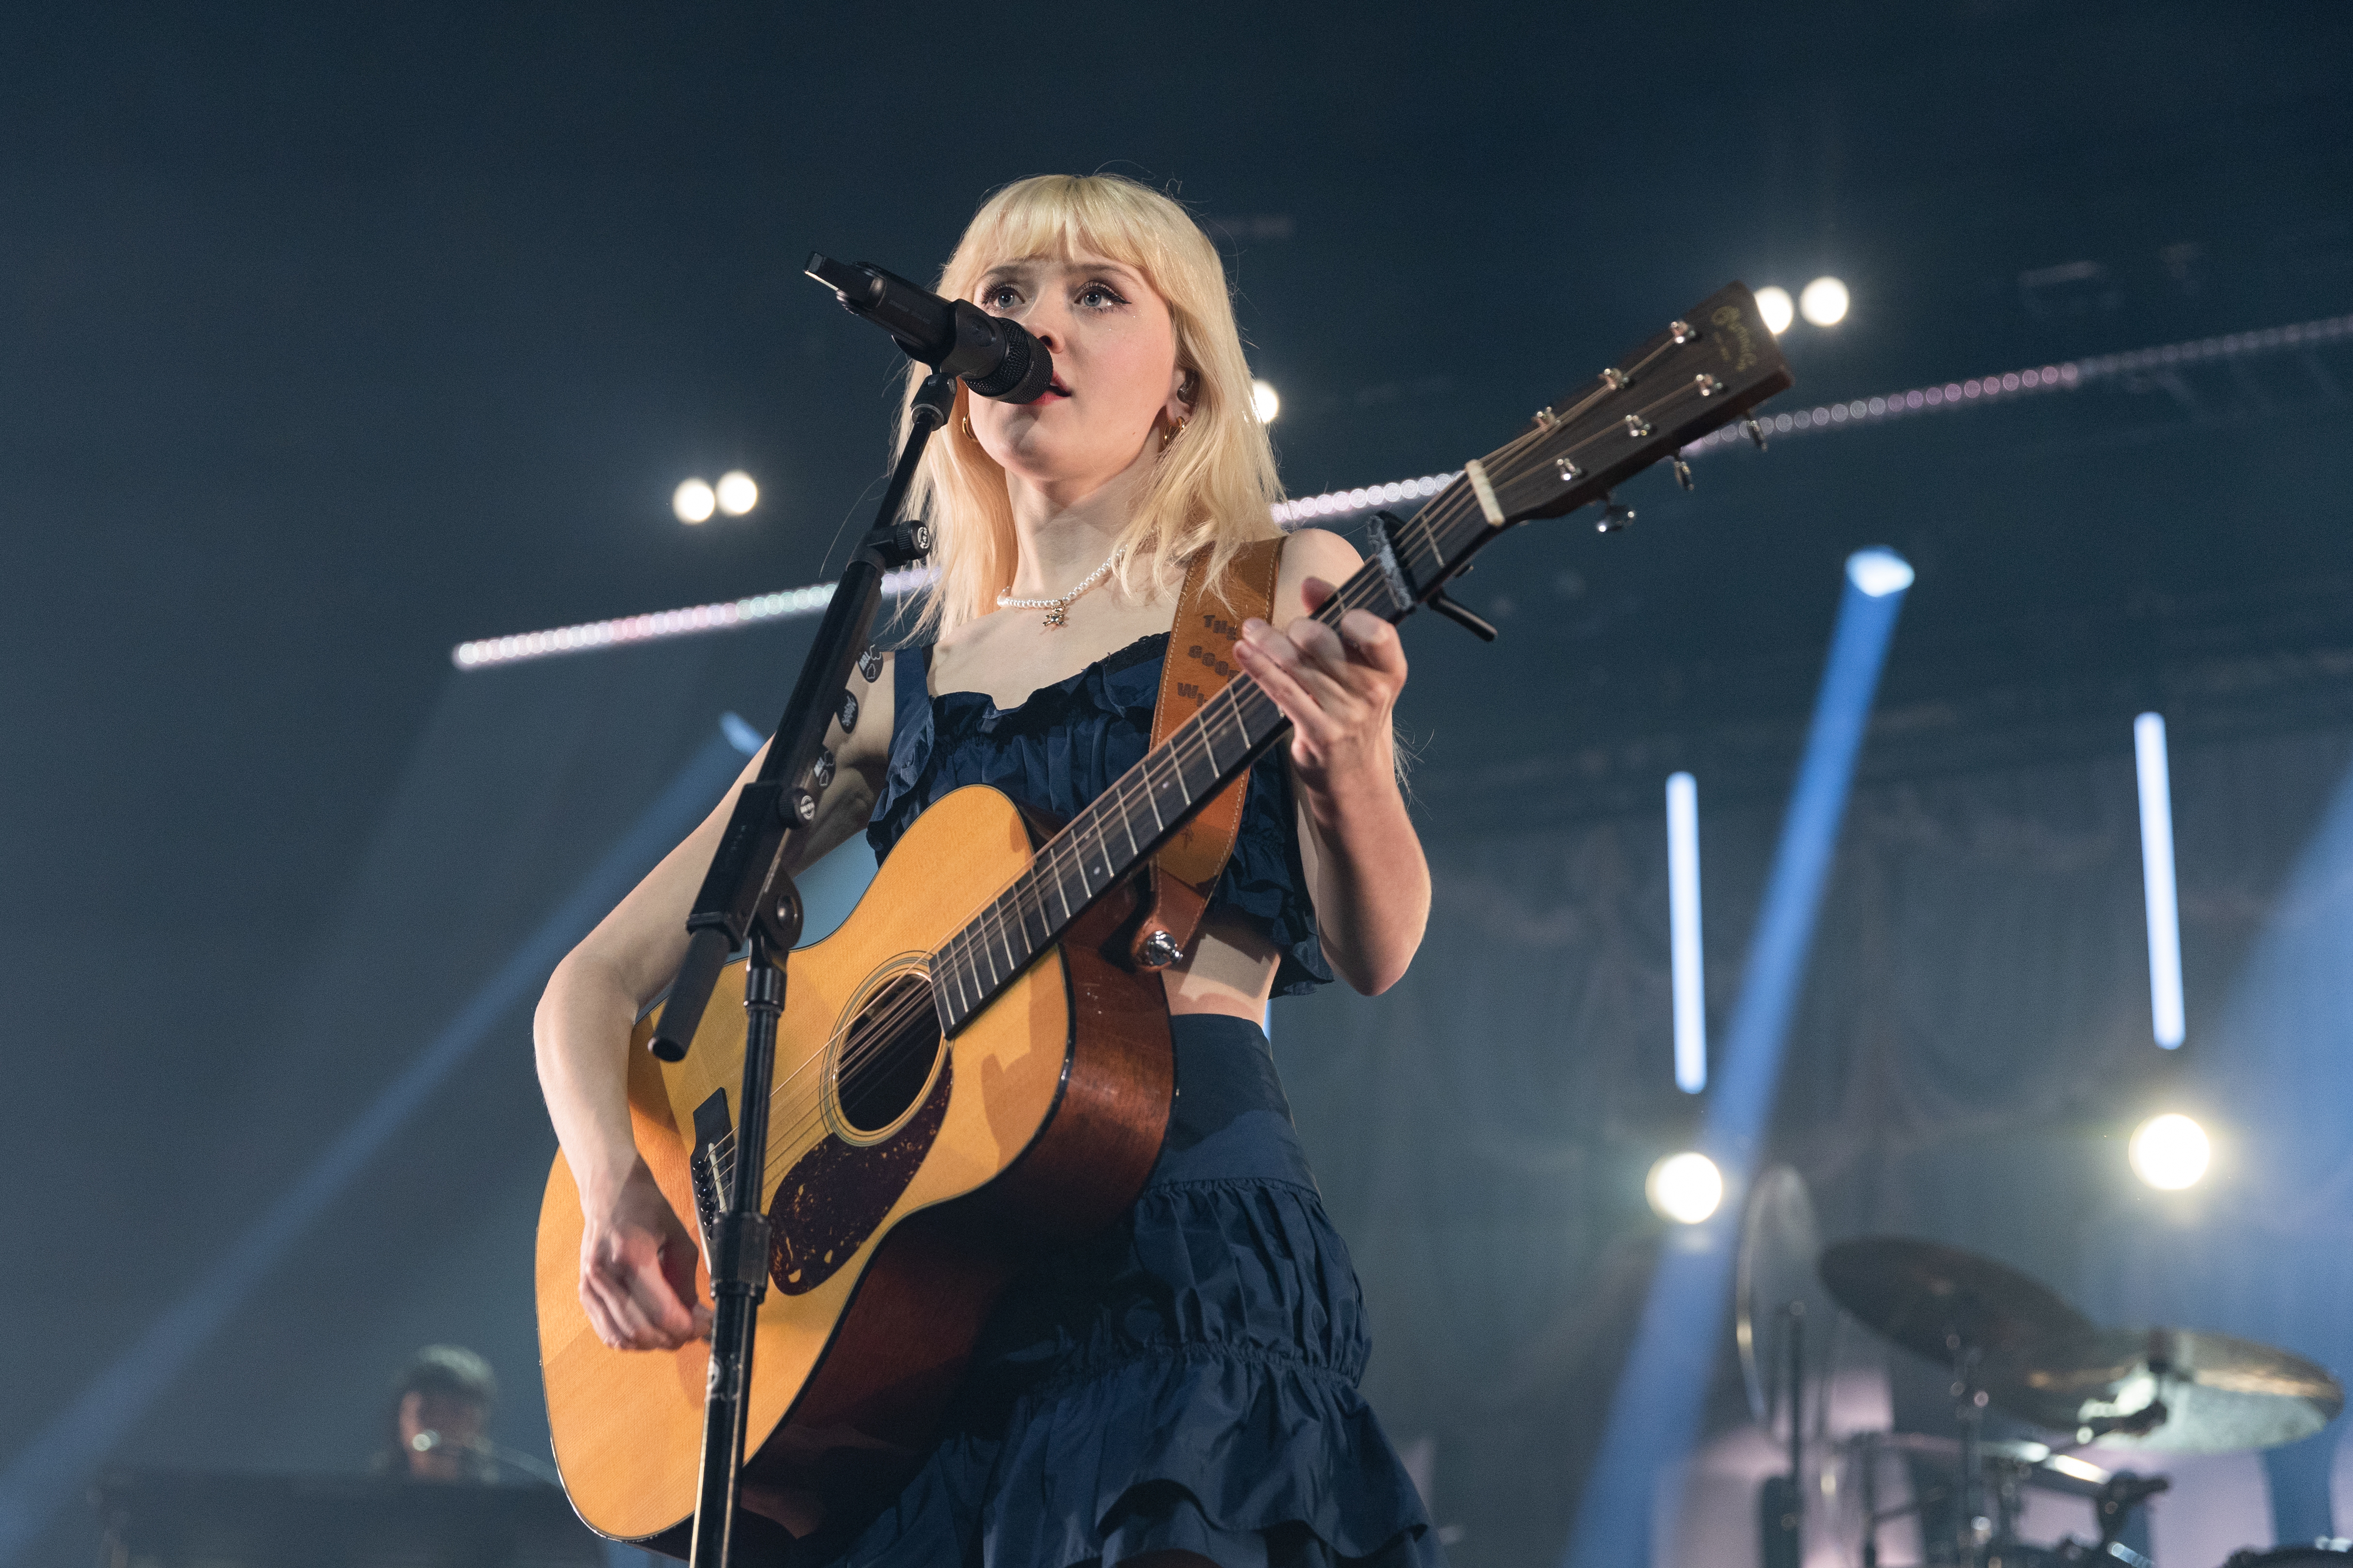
(887, 1056)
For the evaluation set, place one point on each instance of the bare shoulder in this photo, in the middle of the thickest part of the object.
(866, 746)
(1311, 553)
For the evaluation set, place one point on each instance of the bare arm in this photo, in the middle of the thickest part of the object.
(637, 1263)
(1363, 861)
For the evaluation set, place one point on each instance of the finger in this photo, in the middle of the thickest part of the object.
(678, 1258)
(666, 1322)
(600, 1300)
(628, 1323)
(1315, 591)
(599, 1320)
(1275, 678)
(1324, 663)
(1375, 641)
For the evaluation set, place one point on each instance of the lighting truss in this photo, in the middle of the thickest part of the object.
(2069, 375)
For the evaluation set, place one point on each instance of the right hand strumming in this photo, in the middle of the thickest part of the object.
(636, 1270)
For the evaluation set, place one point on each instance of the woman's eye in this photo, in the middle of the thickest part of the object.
(1098, 297)
(999, 297)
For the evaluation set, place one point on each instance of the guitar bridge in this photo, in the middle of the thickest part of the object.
(713, 1145)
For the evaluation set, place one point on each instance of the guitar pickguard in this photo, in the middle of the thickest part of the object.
(834, 1195)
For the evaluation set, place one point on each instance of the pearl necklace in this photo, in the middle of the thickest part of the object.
(1058, 609)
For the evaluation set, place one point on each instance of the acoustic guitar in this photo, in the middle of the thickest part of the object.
(966, 1071)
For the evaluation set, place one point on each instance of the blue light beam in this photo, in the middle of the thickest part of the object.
(2166, 1012)
(1688, 973)
(54, 1467)
(1654, 1413)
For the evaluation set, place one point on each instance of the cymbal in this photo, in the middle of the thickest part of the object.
(1780, 1248)
(2170, 1391)
(1937, 1300)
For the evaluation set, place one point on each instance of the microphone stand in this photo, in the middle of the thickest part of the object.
(748, 899)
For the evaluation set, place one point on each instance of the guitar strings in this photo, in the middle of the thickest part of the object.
(870, 1035)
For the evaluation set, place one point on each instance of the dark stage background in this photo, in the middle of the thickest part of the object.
(332, 339)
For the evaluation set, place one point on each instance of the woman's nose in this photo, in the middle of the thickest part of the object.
(1045, 321)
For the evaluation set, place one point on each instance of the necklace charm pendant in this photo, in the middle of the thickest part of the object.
(1058, 615)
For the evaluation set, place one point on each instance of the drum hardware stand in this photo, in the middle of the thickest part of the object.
(748, 900)
(1973, 1531)
(1781, 1500)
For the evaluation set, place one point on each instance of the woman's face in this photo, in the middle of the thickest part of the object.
(1115, 372)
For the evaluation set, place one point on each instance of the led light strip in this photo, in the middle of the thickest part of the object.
(1348, 503)
(2064, 377)
(662, 625)
(2067, 376)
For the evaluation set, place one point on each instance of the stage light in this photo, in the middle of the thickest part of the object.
(736, 493)
(1773, 303)
(693, 501)
(1878, 571)
(1265, 403)
(1654, 1414)
(1687, 971)
(2165, 1004)
(2169, 1151)
(1686, 1188)
(1824, 302)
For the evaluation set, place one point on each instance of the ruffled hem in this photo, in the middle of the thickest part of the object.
(1163, 1517)
(1246, 1461)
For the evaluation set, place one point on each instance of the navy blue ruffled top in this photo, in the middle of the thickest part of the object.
(1065, 744)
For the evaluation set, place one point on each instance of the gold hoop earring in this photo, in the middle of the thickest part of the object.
(1173, 431)
(966, 423)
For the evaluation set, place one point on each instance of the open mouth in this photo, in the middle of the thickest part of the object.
(1055, 388)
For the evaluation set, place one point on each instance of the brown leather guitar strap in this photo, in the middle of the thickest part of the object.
(1201, 662)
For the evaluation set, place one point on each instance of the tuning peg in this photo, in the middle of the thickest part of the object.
(1682, 473)
(1613, 516)
(1755, 431)
(1477, 627)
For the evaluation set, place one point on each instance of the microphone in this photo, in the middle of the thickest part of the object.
(992, 355)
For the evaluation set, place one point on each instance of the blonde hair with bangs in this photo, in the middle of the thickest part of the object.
(1214, 486)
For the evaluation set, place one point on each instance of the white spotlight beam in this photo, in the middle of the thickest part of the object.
(2165, 1003)
(1343, 505)
(1683, 933)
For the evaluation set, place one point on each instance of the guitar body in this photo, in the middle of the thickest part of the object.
(904, 1186)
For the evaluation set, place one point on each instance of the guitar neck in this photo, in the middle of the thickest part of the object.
(1679, 385)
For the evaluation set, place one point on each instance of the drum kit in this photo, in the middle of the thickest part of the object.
(2014, 1348)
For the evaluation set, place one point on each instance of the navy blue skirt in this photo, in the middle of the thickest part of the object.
(1186, 1381)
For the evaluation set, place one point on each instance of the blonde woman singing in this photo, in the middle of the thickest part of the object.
(1182, 1389)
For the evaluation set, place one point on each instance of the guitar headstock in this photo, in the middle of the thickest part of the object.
(1705, 370)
